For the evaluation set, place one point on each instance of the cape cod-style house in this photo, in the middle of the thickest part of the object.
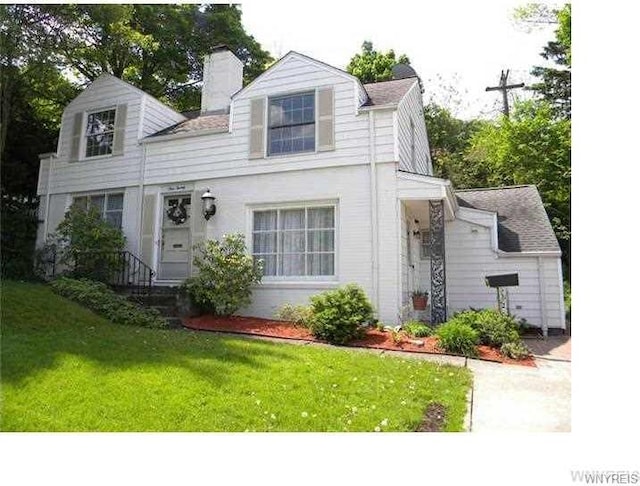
(330, 180)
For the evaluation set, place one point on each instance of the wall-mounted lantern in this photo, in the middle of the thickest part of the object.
(208, 205)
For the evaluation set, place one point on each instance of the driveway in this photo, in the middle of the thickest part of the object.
(510, 398)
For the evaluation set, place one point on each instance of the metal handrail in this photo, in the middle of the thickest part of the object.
(116, 268)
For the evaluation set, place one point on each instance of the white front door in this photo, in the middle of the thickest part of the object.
(175, 245)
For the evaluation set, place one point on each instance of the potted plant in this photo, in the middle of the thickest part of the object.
(420, 298)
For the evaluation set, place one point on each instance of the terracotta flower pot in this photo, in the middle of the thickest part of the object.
(419, 302)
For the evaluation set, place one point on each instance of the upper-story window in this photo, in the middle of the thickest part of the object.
(292, 124)
(99, 132)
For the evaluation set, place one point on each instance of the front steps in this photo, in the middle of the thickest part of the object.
(163, 299)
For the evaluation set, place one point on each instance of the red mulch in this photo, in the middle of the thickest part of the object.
(373, 339)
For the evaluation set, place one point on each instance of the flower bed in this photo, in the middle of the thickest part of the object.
(373, 339)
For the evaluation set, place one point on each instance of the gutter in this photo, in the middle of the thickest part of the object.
(373, 190)
(516, 254)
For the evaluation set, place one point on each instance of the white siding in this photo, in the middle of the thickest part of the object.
(157, 116)
(469, 258)
(57, 208)
(43, 176)
(226, 154)
(409, 109)
(389, 262)
(348, 187)
(100, 172)
(384, 142)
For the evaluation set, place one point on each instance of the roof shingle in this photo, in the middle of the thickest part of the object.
(388, 92)
(204, 122)
(523, 224)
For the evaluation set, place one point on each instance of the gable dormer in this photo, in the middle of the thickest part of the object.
(293, 106)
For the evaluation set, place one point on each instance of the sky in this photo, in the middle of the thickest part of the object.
(458, 48)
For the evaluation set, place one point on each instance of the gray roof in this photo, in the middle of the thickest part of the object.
(382, 93)
(388, 92)
(202, 122)
(523, 224)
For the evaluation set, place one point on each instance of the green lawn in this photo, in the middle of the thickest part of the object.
(65, 369)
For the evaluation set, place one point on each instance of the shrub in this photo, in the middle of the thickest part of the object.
(493, 327)
(300, 315)
(81, 240)
(225, 275)
(417, 329)
(457, 337)
(340, 314)
(104, 301)
(515, 350)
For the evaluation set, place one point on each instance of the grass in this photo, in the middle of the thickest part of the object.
(64, 368)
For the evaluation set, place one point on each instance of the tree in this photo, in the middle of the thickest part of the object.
(371, 66)
(533, 147)
(555, 84)
(48, 52)
(448, 140)
(158, 48)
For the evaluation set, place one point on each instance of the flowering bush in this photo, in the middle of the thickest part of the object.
(226, 274)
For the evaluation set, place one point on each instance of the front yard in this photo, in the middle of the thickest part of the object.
(65, 369)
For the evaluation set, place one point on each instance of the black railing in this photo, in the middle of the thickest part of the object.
(117, 268)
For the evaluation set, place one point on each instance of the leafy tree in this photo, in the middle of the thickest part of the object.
(533, 147)
(555, 84)
(371, 66)
(448, 140)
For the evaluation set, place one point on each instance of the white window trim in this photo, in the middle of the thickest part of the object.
(83, 138)
(267, 155)
(301, 279)
(101, 193)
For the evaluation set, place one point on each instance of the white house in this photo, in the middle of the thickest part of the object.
(330, 180)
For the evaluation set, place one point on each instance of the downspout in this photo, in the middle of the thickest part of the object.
(373, 180)
(47, 202)
(543, 300)
(141, 198)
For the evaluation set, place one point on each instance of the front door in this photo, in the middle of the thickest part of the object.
(175, 249)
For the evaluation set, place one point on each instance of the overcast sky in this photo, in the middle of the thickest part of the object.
(454, 43)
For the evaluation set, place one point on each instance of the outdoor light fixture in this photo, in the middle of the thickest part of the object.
(416, 234)
(208, 206)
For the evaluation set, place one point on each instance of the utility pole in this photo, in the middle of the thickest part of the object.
(504, 87)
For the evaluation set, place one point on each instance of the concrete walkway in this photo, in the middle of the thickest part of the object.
(509, 398)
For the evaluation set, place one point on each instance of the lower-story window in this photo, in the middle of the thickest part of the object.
(110, 206)
(295, 241)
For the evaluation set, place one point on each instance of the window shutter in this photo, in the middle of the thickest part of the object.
(76, 136)
(325, 120)
(119, 130)
(148, 228)
(256, 134)
(198, 225)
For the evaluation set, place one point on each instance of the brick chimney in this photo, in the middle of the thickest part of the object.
(222, 77)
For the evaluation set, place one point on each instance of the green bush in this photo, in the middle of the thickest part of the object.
(457, 337)
(225, 275)
(515, 350)
(300, 315)
(104, 301)
(493, 327)
(82, 238)
(339, 315)
(417, 329)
